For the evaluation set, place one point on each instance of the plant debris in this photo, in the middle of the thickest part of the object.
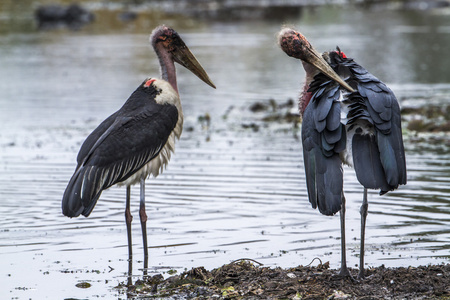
(432, 118)
(243, 280)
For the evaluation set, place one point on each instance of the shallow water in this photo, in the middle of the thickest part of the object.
(228, 192)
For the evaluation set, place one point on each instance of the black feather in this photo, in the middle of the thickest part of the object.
(378, 157)
(118, 148)
(366, 160)
(324, 178)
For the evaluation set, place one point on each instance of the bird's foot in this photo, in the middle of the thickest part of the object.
(345, 274)
(361, 275)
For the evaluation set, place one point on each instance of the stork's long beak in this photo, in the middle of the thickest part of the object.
(314, 58)
(184, 57)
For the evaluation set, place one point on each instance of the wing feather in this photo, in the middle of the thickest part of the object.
(118, 148)
(379, 159)
(323, 168)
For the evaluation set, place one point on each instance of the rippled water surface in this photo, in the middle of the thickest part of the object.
(229, 192)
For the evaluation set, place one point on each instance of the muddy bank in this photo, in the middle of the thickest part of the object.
(246, 280)
(423, 119)
(431, 118)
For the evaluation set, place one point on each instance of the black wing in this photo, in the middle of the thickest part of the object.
(378, 159)
(120, 146)
(323, 138)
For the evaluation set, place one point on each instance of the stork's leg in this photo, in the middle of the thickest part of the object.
(130, 273)
(128, 219)
(363, 211)
(344, 270)
(143, 216)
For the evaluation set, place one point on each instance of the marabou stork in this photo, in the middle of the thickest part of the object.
(351, 117)
(137, 140)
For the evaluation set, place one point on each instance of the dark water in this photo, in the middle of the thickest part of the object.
(228, 192)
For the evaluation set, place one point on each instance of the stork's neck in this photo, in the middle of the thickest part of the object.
(311, 71)
(305, 97)
(168, 72)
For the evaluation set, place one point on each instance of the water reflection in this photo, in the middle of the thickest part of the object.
(229, 192)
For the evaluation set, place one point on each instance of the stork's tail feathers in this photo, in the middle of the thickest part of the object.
(81, 193)
(379, 165)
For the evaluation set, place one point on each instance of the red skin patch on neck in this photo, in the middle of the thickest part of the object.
(342, 54)
(304, 101)
(148, 82)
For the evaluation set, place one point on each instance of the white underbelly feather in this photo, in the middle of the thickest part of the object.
(346, 155)
(359, 127)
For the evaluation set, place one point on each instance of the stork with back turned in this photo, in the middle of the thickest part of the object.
(348, 116)
(137, 140)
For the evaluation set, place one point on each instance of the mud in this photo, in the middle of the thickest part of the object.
(247, 280)
(429, 118)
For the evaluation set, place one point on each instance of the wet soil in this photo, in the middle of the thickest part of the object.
(246, 280)
(418, 122)
(424, 119)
